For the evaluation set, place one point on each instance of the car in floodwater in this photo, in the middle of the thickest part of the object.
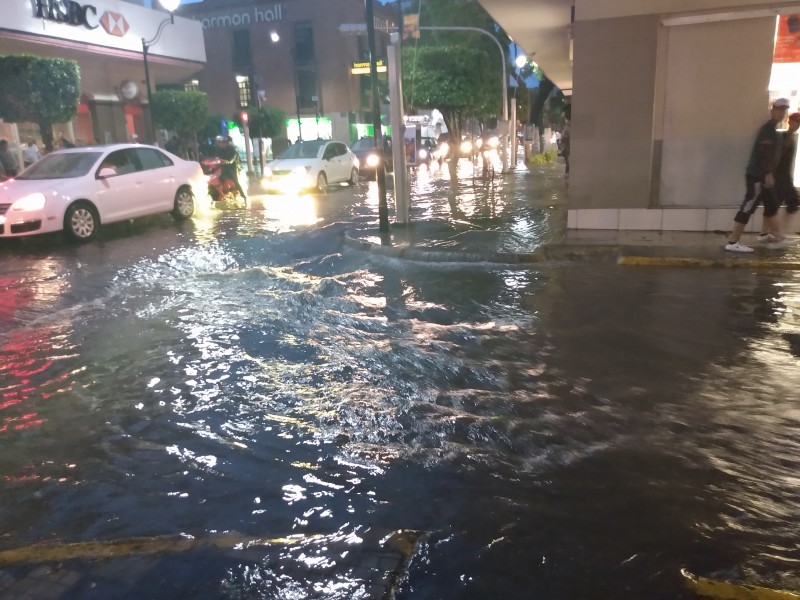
(311, 165)
(76, 190)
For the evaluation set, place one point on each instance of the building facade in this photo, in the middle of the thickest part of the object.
(295, 55)
(105, 38)
(666, 98)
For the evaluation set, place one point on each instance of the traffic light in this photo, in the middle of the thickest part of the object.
(245, 118)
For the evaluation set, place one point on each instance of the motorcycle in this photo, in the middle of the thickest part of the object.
(220, 188)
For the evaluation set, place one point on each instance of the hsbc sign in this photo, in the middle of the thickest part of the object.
(74, 13)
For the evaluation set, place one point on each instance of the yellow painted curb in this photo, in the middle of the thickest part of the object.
(722, 590)
(666, 261)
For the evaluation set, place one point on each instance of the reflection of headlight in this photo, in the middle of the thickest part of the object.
(493, 142)
(466, 147)
(423, 154)
(373, 160)
(31, 202)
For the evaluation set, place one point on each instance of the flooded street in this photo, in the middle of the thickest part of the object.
(572, 430)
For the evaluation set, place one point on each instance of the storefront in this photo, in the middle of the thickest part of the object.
(105, 38)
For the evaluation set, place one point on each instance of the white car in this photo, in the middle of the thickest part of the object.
(311, 165)
(78, 189)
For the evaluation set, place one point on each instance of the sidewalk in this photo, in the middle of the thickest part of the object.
(503, 240)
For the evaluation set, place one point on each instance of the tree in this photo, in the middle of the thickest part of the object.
(181, 111)
(40, 90)
(267, 122)
(457, 72)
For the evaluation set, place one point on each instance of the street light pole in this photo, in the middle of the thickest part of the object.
(171, 6)
(380, 173)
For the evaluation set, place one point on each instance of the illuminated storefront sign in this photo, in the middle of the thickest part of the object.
(238, 19)
(66, 11)
(362, 68)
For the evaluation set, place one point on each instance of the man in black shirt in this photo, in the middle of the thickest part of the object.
(760, 178)
(230, 169)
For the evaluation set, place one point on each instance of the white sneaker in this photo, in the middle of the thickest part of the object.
(767, 237)
(784, 242)
(737, 247)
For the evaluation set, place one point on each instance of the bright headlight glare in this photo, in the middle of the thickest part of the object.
(493, 142)
(31, 202)
(301, 170)
(423, 153)
(466, 147)
(267, 173)
(373, 160)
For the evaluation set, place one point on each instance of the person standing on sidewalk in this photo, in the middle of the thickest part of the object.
(760, 178)
(785, 191)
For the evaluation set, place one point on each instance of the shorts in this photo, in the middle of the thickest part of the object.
(786, 193)
(756, 194)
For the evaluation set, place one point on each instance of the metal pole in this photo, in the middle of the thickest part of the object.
(149, 91)
(401, 195)
(383, 209)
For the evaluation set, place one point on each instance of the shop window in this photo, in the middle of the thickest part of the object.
(307, 89)
(303, 43)
(242, 58)
(243, 83)
(192, 86)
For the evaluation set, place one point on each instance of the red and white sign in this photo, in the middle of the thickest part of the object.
(114, 23)
(787, 42)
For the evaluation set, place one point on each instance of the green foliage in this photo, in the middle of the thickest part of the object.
(40, 90)
(266, 122)
(211, 127)
(547, 157)
(179, 110)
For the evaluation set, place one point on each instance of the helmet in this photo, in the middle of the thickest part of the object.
(220, 138)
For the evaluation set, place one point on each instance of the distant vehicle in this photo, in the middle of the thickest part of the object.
(427, 147)
(368, 156)
(76, 190)
(311, 165)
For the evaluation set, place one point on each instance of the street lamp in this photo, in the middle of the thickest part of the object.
(171, 6)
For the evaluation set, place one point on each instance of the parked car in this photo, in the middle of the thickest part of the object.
(79, 189)
(311, 165)
(368, 156)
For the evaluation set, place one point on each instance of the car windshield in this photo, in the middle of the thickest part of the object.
(364, 144)
(303, 150)
(61, 166)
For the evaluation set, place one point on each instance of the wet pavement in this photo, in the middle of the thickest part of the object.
(248, 406)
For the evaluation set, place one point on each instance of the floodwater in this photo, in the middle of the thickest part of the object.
(568, 431)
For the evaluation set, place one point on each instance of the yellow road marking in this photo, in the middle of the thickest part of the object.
(722, 590)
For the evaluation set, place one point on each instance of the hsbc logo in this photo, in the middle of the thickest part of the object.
(114, 23)
(71, 12)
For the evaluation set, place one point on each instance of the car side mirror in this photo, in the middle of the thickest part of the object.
(106, 172)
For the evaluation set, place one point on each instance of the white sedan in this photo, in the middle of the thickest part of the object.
(311, 165)
(78, 189)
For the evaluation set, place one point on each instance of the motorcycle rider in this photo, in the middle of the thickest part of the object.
(230, 168)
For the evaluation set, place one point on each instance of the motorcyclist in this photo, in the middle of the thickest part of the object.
(230, 168)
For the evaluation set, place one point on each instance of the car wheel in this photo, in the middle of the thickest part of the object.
(184, 204)
(354, 176)
(81, 221)
(322, 182)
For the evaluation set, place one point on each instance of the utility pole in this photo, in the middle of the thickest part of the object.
(380, 172)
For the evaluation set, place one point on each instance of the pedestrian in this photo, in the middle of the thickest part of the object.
(760, 178)
(7, 160)
(564, 143)
(30, 153)
(784, 182)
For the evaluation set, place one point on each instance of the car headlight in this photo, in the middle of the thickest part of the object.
(423, 154)
(493, 141)
(30, 202)
(466, 147)
(373, 160)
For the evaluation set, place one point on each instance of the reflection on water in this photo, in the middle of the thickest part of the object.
(565, 432)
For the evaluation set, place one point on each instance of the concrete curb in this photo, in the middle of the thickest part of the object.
(568, 252)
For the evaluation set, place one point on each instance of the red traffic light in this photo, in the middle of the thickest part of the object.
(245, 117)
